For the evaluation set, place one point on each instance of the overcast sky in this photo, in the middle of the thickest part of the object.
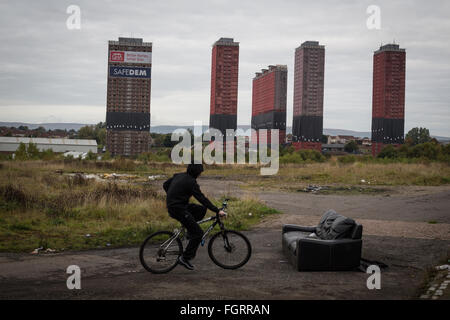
(52, 74)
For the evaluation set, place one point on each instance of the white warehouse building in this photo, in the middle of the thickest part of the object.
(10, 144)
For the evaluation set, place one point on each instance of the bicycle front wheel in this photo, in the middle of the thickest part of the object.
(160, 251)
(229, 249)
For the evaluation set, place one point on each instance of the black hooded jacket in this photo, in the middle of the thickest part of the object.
(181, 187)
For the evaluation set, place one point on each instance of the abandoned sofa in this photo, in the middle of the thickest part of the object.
(333, 245)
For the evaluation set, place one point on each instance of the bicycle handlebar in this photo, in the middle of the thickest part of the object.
(224, 206)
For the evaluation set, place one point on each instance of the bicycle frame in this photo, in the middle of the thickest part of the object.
(205, 234)
(211, 227)
(177, 232)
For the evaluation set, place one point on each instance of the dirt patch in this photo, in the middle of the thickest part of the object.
(404, 229)
(117, 274)
(345, 190)
(422, 206)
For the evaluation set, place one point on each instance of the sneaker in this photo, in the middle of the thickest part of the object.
(185, 263)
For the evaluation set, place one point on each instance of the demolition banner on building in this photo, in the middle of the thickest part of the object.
(129, 72)
(130, 57)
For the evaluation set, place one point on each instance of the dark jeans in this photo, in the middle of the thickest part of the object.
(188, 219)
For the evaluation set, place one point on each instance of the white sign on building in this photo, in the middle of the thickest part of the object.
(130, 57)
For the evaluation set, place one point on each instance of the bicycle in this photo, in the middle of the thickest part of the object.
(160, 251)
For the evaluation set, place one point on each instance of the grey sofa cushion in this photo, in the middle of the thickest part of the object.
(334, 226)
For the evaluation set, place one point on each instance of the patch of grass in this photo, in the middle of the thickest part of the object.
(39, 208)
(377, 171)
(20, 226)
(242, 214)
(7, 205)
(111, 225)
(334, 172)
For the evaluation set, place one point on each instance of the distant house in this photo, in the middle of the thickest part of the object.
(345, 139)
(366, 142)
(340, 139)
(332, 140)
(25, 132)
(10, 144)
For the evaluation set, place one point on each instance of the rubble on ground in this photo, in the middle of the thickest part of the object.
(314, 188)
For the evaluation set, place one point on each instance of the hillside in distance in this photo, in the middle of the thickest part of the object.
(164, 129)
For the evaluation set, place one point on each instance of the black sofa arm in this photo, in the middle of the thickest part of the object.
(294, 227)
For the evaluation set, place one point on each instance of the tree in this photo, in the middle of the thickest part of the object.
(86, 132)
(351, 146)
(32, 151)
(168, 143)
(158, 139)
(100, 136)
(418, 135)
(21, 152)
(95, 132)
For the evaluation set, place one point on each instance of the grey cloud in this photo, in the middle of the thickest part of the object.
(53, 73)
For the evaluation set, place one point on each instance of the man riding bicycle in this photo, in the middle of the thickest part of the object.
(179, 189)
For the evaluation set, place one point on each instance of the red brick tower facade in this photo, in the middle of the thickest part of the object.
(128, 96)
(388, 97)
(269, 101)
(224, 85)
(307, 126)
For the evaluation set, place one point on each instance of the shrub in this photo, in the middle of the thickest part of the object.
(301, 156)
(13, 194)
(48, 155)
(351, 146)
(284, 150)
(388, 152)
(31, 152)
(346, 159)
(106, 156)
(158, 156)
(428, 151)
(91, 156)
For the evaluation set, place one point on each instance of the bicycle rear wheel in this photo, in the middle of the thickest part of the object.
(160, 251)
(229, 249)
